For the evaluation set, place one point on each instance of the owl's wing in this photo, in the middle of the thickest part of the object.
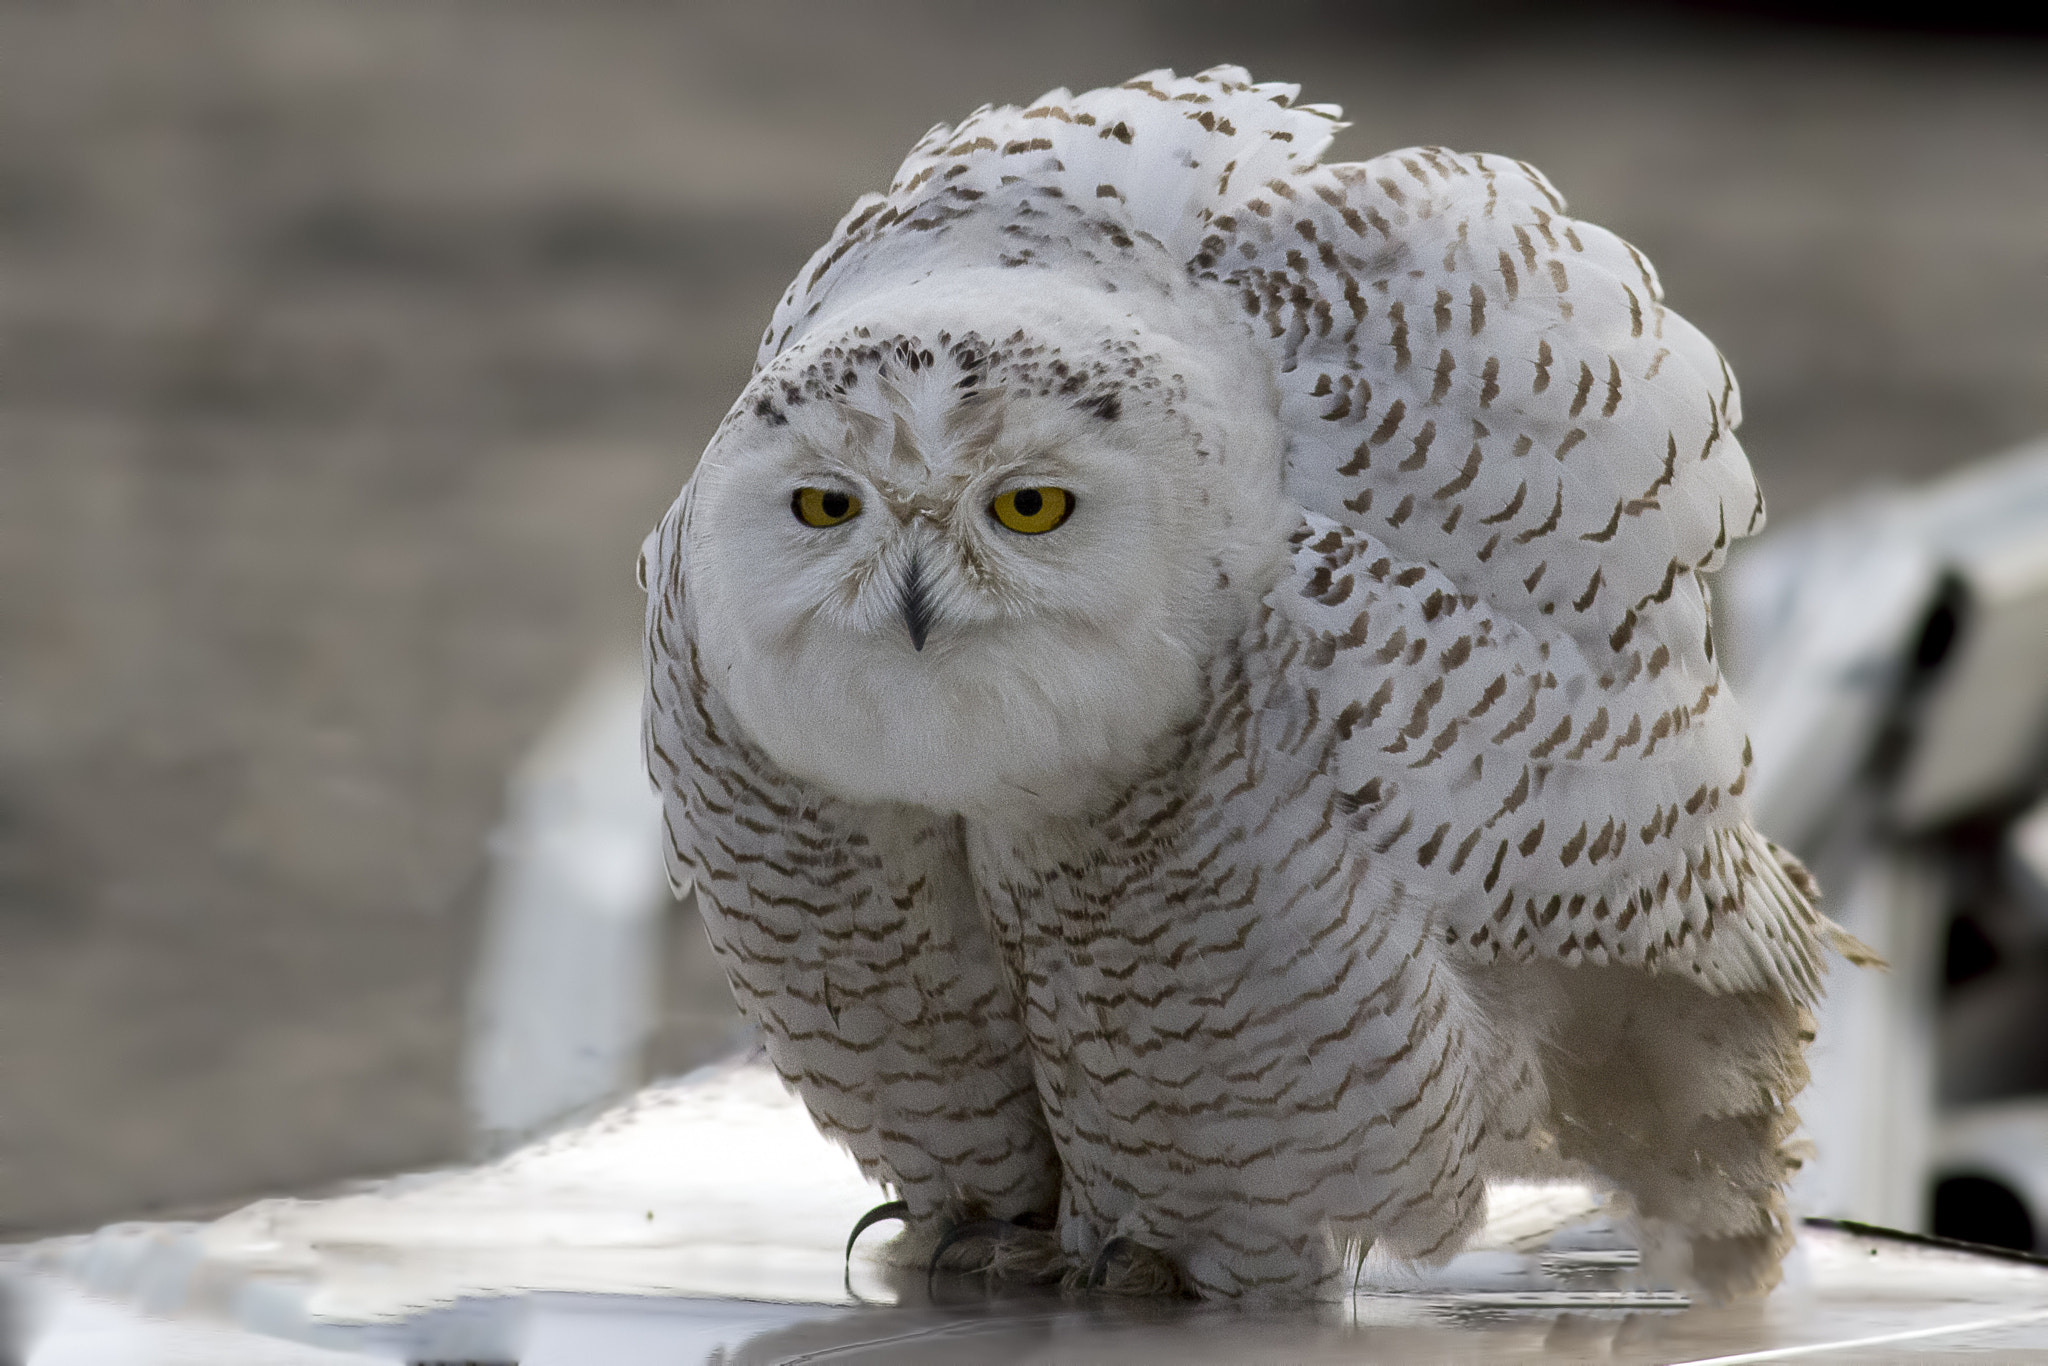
(1542, 804)
(1495, 389)
(1518, 463)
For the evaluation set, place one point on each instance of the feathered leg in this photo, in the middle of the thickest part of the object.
(1682, 1099)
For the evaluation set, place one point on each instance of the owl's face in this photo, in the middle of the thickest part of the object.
(963, 573)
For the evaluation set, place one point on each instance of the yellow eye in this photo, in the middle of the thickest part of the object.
(1032, 511)
(824, 507)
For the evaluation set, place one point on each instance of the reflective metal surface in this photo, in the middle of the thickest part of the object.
(705, 1219)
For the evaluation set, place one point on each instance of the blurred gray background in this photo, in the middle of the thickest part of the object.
(348, 348)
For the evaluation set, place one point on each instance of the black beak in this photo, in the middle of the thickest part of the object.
(917, 608)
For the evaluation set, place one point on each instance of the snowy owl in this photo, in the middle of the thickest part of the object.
(1184, 688)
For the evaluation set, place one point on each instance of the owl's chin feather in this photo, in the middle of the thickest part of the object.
(954, 728)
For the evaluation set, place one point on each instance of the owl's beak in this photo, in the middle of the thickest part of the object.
(917, 607)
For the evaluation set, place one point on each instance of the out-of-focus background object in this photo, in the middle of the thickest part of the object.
(566, 982)
(1892, 651)
(349, 347)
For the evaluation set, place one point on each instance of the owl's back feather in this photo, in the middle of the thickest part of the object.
(1489, 772)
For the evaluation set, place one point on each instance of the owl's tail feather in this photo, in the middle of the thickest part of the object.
(1840, 940)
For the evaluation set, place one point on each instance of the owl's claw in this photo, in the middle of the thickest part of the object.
(893, 1209)
(972, 1228)
(1098, 1271)
(1022, 1249)
(1144, 1271)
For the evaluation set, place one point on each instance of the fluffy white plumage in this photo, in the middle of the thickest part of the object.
(1341, 807)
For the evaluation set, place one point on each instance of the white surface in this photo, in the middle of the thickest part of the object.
(716, 1185)
(1870, 1106)
(1856, 1299)
(548, 1257)
(1974, 1328)
(1819, 622)
(79, 1330)
(565, 988)
(1981, 729)
(658, 1333)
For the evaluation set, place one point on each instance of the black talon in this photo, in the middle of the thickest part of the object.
(1099, 1271)
(973, 1228)
(894, 1209)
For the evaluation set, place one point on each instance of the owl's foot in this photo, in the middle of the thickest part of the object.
(1741, 1266)
(1127, 1267)
(1720, 1269)
(1024, 1250)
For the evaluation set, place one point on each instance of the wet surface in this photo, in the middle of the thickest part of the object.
(705, 1219)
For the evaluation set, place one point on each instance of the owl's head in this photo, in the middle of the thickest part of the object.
(973, 567)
